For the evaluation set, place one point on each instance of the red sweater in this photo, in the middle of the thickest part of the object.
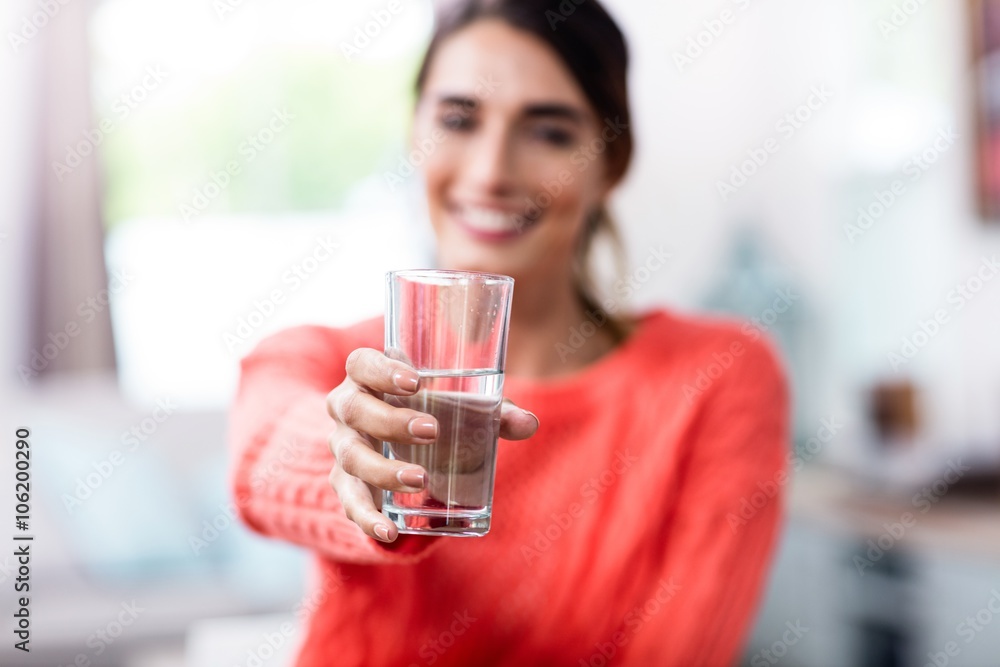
(634, 528)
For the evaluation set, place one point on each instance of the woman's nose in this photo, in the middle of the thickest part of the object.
(489, 164)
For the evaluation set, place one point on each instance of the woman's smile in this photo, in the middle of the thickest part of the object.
(492, 222)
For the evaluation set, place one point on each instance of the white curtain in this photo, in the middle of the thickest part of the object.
(70, 280)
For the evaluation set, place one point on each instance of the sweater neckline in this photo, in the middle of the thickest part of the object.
(593, 371)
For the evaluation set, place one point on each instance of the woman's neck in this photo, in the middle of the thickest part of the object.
(547, 337)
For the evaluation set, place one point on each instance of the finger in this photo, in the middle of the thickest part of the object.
(372, 416)
(359, 506)
(373, 370)
(516, 423)
(356, 456)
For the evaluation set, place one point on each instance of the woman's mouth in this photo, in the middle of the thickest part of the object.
(489, 223)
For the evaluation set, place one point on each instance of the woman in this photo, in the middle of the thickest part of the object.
(623, 530)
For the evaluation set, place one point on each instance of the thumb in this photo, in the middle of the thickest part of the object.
(516, 423)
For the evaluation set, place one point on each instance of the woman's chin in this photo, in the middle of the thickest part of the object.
(458, 252)
(471, 259)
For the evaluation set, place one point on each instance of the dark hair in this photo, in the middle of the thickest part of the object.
(590, 44)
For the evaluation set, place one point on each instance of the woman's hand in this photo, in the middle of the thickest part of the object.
(363, 420)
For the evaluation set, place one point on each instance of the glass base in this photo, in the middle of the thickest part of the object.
(438, 523)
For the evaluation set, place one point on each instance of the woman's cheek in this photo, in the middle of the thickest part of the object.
(567, 211)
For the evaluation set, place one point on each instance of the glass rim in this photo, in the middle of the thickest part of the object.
(449, 275)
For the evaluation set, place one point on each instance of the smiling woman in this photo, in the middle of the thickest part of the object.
(610, 536)
(502, 149)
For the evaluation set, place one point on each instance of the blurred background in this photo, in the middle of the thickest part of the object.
(828, 170)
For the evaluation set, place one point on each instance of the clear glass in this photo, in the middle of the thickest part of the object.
(451, 326)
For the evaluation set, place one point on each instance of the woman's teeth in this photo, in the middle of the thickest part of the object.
(493, 221)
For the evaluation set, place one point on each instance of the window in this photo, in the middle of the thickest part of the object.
(241, 142)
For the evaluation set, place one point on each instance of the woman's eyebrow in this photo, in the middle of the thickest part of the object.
(554, 110)
(457, 100)
(538, 110)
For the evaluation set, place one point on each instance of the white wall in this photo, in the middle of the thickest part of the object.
(890, 97)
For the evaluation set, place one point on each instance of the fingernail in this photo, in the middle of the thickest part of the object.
(422, 427)
(406, 380)
(532, 415)
(412, 477)
(381, 532)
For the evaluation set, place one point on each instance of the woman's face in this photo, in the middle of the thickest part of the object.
(511, 169)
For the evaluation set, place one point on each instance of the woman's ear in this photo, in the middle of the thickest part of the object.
(611, 177)
(605, 188)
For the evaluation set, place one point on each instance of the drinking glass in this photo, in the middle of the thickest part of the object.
(451, 327)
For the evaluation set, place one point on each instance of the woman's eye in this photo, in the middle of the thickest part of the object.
(554, 135)
(455, 122)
